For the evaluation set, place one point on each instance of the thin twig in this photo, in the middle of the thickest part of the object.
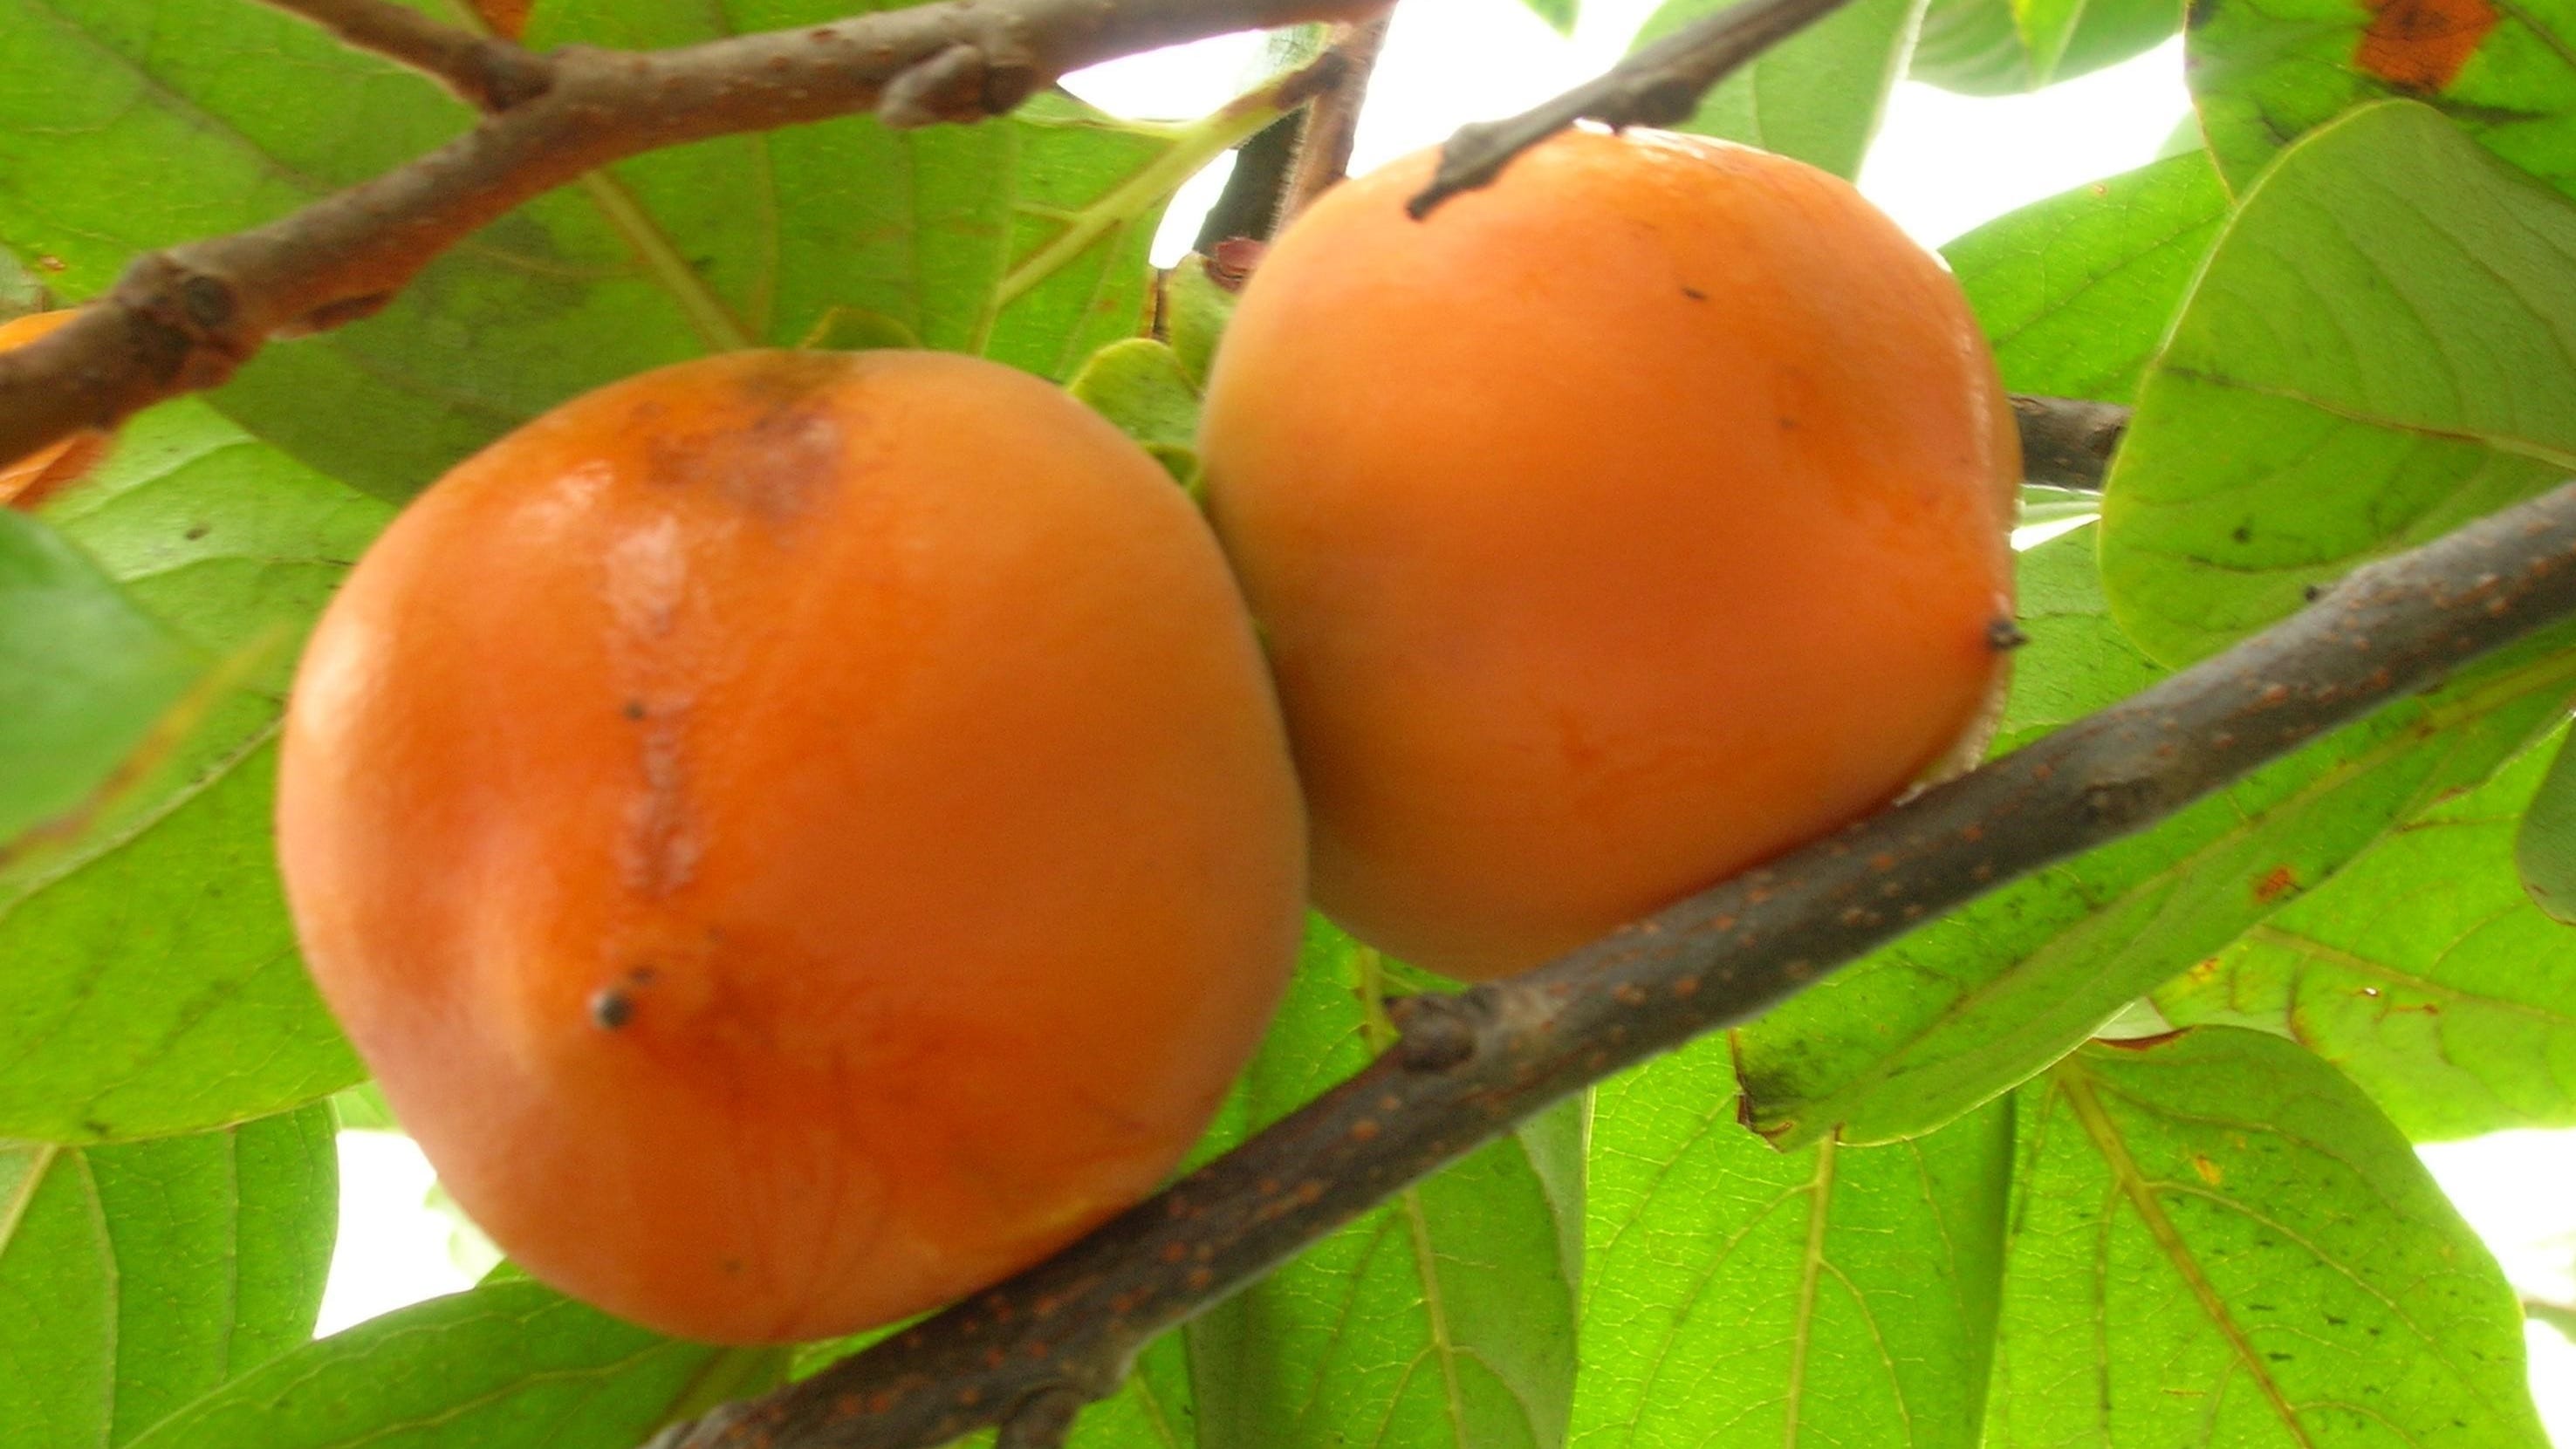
(184, 319)
(1655, 86)
(489, 74)
(1468, 1067)
(1333, 120)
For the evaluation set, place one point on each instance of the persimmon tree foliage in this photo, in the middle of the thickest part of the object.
(2069, 1102)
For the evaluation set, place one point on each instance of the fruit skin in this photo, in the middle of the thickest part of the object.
(31, 480)
(1620, 526)
(797, 836)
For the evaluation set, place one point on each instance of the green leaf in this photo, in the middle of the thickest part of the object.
(1196, 308)
(2544, 847)
(1733, 1294)
(1445, 1315)
(135, 1278)
(1560, 15)
(85, 677)
(2076, 661)
(363, 1108)
(1997, 47)
(2422, 971)
(2264, 73)
(1816, 96)
(1972, 1004)
(2216, 1240)
(150, 967)
(511, 1366)
(2384, 340)
(2075, 292)
(20, 291)
(1140, 385)
(132, 124)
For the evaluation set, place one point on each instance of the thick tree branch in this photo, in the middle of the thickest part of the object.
(1468, 1067)
(1655, 86)
(488, 74)
(184, 319)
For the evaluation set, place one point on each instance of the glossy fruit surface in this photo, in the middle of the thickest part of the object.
(28, 481)
(798, 836)
(1614, 529)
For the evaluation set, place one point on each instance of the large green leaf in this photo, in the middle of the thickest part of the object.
(135, 1278)
(2421, 970)
(2544, 847)
(85, 677)
(1733, 1294)
(1445, 1316)
(2382, 347)
(510, 1365)
(2266, 72)
(1816, 96)
(1997, 47)
(1970, 1005)
(150, 969)
(129, 124)
(2075, 292)
(2217, 1241)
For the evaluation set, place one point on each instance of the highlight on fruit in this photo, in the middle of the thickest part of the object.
(1620, 526)
(797, 836)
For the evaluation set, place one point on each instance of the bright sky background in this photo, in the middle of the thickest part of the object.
(1942, 165)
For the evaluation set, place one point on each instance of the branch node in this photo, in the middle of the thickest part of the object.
(956, 83)
(1439, 1032)
(1041, 1419)
(2117, 802)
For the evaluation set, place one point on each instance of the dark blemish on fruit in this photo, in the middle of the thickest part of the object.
(1695, 294)
(611, 1008)
(634, 709)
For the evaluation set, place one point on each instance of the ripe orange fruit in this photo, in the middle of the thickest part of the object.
(30, 480)
(797, 836)
(1618, 526)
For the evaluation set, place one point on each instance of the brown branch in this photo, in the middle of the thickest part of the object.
(488, 74)
(1466, 1068)
(1655, 86)
(1332, 123)
(1249, 205)
(2068, 442)
(184, 319)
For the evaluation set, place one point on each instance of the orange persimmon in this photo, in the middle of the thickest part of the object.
(798, 836)
(1616, 527)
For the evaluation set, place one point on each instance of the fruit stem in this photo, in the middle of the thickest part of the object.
(1192, 147)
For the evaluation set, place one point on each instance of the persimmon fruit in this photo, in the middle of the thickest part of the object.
(797, 836)
(30, 480)
(1612, 529)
